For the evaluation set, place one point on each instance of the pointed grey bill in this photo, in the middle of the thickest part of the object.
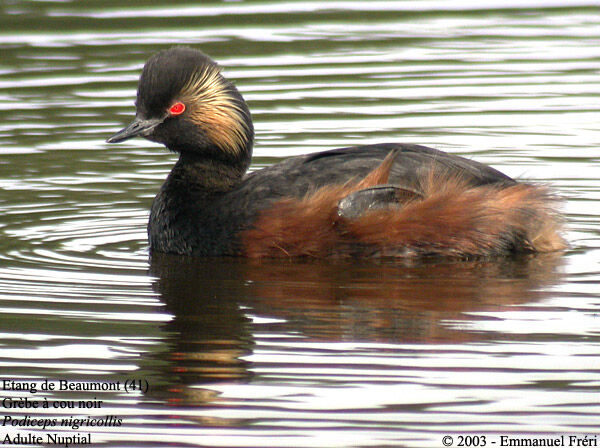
(137, 127)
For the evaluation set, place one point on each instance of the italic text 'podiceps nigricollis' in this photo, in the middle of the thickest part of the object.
(377, 200)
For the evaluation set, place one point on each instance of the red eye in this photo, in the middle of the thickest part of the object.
(177, 108)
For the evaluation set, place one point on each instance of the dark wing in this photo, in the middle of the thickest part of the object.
(379, 197)
(298, 176)
(411, 162)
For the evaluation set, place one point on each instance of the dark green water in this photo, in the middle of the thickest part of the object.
(299, 354)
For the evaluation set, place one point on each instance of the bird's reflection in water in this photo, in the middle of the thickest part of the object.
(217, 305)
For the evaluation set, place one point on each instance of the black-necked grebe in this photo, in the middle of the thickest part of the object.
(376, 200)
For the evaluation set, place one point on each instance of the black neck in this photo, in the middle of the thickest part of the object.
(183, 218)
(200, 173)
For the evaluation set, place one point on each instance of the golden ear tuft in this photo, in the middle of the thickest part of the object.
(212, 105)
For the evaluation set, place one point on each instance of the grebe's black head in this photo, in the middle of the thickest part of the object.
(185, 103)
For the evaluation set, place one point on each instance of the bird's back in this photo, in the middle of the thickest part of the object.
(390, 200)
(412, 164)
